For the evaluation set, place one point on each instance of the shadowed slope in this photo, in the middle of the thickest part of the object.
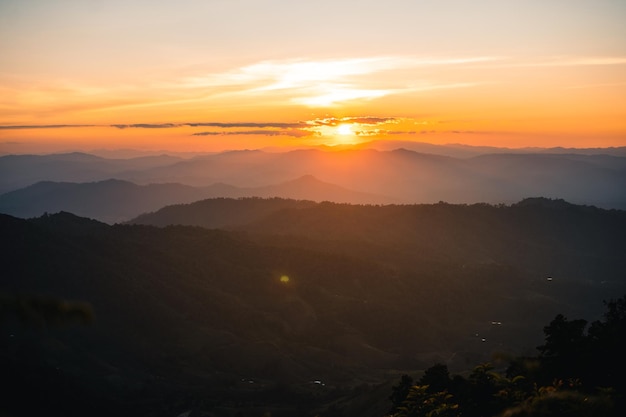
(541, 236)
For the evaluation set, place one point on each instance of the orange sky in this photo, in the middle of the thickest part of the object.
(214, 75)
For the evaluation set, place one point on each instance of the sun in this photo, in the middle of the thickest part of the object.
(345, 130)
(344, 135)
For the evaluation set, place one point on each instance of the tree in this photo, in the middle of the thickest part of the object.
(483, 385)
(420, 403)
(399, 392)
(437, 378)
(608, 344)
(563, 337)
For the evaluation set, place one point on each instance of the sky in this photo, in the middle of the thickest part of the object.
(211, 75)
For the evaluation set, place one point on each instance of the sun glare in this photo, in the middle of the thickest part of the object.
(345, 130)
(344, 134)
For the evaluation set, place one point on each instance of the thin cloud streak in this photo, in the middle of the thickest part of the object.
(331, 121)
(23, 127)
(249, 124)
(362, 120)
(324, 83)
(274, 75)
(147, 126)
(292, 133)
(310, 83)
(275, 125)
(364, 125)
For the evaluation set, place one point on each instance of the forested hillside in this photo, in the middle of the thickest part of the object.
(298, 308)
(539, 236)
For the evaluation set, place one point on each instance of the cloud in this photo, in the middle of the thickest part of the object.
(292, 133)
(329, 95)
(249, 124)
(278, 125)
(368, 120)
(318, 83)
(400, 132)
(361, 125)
(19, 127)
(227, 125)
(363, 120)
(326, 82)
(147, 126)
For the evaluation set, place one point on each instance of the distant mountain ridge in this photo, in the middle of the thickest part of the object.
(109, 201)
(114, 201)
(17, 171)
(399, 175)
(457, 150)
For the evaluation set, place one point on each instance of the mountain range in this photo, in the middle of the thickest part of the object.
(84, 183)
(114, 201)
(207, 294)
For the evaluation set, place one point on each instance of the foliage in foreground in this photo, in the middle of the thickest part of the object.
(575, 375)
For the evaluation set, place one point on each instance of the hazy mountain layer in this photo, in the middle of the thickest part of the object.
(17, 171)
(458, 150)
(399, 175)
(114, 201)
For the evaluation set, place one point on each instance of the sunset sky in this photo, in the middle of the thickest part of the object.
(208, 75)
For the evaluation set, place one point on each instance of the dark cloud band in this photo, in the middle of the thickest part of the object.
(250, 124)
(21, 127)
(292, 133)
(148, 126)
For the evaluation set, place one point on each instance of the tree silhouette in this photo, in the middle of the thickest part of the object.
(437, 377)
(563, 337)
(577, 374)
(399, 392)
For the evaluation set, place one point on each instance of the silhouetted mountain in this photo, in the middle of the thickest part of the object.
(114, 201)
(397, 175)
